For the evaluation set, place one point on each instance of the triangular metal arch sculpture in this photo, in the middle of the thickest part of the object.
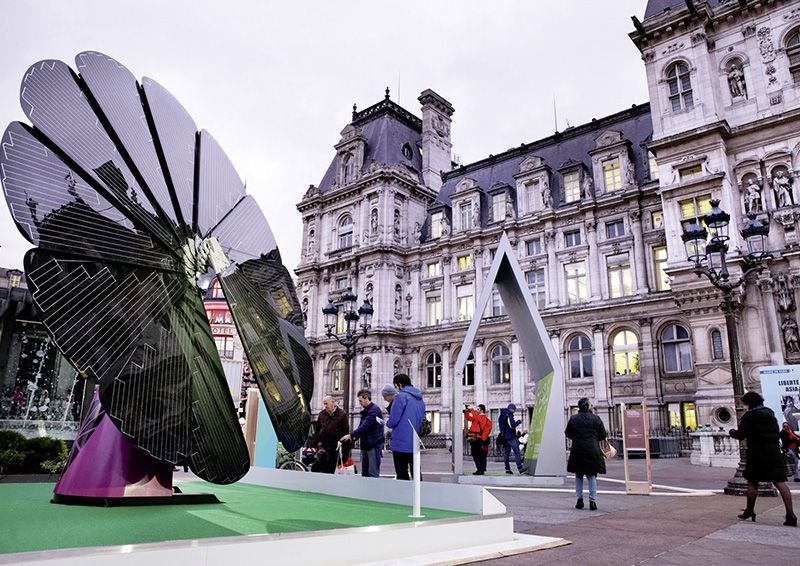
(544, 455)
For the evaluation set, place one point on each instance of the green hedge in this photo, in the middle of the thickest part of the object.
(19, 455)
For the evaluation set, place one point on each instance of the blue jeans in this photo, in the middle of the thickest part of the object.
(512, 444)
(592, 487)
(371, 462)
(793, 458)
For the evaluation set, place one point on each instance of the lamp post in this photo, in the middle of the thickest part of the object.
(351, 335)
(711, 260)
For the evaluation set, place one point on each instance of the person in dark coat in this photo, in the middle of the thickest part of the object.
(765, 463)
(332, 426)
(507, 425)
(370, 431)
(586, 430)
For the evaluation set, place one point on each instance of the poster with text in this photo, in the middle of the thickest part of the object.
(780, 386)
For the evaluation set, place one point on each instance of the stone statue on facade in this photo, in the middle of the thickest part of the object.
(630, 174)
(397, 224)
(476, 215)
(752, 198)
(304, 308)
(417, 233)
(736, 82)
(791, 339)
(373, 221)
(782, 185)
(509, 209)
(547, 197)
(784, 292)
(588, 185)
(398, 300)
(445, 227)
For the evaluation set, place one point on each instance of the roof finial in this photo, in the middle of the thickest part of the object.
(387, 93)
(354, 111)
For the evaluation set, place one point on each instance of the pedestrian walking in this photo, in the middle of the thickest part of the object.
(790, 443)
(370, 431)
(765, 463)
(332, 426)
(586, 431)
(405, 418)
(480, 428)
(507, 426)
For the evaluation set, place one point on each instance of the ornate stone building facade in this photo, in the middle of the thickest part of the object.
(595, 212)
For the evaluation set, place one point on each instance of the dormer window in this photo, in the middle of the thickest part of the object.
(436, 225)
(572, 187)
(612, 175)
(345, 232)
(679, 84)
(348, 168)
(465, 215)
(532, 198)
(498, 207)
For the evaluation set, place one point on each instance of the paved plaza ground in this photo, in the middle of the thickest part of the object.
(683, 528)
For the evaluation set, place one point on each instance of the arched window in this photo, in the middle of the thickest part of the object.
(716, 345)
(348, 168)
(468, 378)
(216, 290)
(433, 370)
(679, 84)
(579, 357)
(337, 375)
(625, 348)
(501, 364)
(677, 349)
(345, 231)
(793, 53)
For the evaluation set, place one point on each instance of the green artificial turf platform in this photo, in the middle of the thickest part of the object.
(31, 523)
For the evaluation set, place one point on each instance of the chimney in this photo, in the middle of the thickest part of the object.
(436, 145)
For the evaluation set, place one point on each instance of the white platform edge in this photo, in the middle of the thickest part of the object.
(488, 532)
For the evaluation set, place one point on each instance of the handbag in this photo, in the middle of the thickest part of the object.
(608, 449)
(346, 467)
(501, 440)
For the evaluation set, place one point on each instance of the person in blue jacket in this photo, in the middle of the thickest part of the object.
(508, 427)
(370, 431)
(405, 419)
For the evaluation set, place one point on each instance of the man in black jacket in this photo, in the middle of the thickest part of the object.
(332, 426)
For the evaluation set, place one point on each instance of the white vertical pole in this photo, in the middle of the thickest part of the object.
(416, 512)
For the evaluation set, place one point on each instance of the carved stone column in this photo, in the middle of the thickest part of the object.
(639, 262)
(517, 379)
(481, 384)
(599, 367)
(447, 382)
(447, 308)
(774, 334)
(594, 274)
(553, 269)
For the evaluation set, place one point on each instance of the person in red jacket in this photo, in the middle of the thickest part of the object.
(480, 427)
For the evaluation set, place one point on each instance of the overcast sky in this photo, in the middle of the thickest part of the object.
(275, 82)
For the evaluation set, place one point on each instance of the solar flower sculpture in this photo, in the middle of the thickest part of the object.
(128, 205)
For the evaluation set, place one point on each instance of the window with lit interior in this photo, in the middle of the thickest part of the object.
(572, 187)
(501, 364)
(625, 350)
(612, 176)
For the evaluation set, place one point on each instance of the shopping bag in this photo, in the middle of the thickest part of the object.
(608, 449)
(344, 467)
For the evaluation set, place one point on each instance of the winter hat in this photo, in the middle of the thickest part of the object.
(388, 390)
(512, 407)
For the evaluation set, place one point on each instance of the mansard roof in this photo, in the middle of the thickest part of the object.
(572, 144)
(658, 7)
(387, 127)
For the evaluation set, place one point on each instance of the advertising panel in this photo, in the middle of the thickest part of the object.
(780, 386)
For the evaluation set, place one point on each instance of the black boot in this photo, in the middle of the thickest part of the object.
(749, 514)
(592, 506)
(579, 504)
(791, 520)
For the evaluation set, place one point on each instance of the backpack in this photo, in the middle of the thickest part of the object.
(424, 427)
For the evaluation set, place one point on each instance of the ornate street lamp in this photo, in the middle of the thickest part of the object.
(351, 333)
(711, 260)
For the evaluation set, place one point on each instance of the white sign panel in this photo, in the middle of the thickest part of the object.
(780, 386)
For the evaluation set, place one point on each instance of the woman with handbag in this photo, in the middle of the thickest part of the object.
(586, 431)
